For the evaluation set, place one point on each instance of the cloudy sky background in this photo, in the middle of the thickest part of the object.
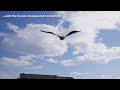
(92, 53)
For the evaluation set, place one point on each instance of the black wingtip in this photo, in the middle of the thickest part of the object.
(78, 31)
(41, 30)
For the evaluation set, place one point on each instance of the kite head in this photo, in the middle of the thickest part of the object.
(61, 37)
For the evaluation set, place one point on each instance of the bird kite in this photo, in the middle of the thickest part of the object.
(61, 37)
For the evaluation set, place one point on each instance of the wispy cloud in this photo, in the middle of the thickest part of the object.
(51, 60)
(13, 27)
(14, 62)
(17, 62)
(68, 63)
(34, 67)
(89, 75)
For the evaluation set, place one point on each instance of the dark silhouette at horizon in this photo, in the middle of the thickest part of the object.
(41, 76)
(61, 37)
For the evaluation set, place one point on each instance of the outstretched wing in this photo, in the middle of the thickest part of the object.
(48, 32)
(71, 33)
(61, 37)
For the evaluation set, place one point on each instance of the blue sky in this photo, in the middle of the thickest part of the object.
(93, 53)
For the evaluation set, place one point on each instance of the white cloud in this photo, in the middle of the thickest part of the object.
(2, 34)
(27, 58)
(51, 60)
(89, 75)
(13, 27)
(100, 53)
(102, 76)
(31, 41)
(17, 62)
(91, 20)
(85, 47)
(68, 63)
(34, 67)
(76, 73)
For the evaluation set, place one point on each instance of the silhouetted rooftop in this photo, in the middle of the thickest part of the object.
(40, 76)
